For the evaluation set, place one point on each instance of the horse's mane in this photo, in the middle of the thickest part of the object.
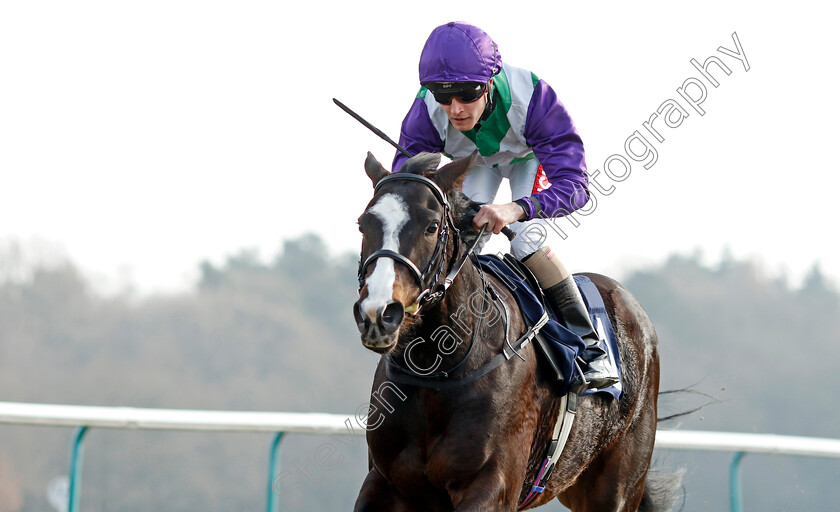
(425, 164)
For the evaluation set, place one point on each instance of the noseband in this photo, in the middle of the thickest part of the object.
(434, 291)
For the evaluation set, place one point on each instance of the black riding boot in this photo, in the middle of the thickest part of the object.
(598, 371)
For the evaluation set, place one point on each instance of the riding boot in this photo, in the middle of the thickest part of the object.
(598, 372)
(560, 288)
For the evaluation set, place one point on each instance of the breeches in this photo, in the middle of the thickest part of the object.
(482, 184)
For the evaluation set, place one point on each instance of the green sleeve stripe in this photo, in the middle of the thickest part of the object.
(534, 79)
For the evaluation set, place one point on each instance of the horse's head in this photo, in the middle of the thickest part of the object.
(408, 231)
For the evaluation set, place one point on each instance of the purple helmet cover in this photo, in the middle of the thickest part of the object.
(459, 52)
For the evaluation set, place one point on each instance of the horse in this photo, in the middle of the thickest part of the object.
(472, 439)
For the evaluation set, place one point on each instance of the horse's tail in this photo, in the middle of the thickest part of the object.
(661, 487)
(661, 491)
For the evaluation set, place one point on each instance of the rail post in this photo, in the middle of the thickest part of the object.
(271, 500)
(76, 470)
(736, 504)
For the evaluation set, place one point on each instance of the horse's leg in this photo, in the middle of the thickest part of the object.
(488, 490)
(615, 480)
(376, 495)
(485, 493)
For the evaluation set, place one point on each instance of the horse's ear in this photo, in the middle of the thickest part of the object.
(374, 169)
(451, 176)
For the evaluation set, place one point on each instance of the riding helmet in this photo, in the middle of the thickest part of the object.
(459, 52)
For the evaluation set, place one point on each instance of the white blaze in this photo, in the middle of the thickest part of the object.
(393, 213)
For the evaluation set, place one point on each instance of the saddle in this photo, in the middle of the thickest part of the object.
(557, 345)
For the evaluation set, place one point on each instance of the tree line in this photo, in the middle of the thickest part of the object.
(280, 336)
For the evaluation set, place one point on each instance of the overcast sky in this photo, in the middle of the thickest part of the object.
(139, 138)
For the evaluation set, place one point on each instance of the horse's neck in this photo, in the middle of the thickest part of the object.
(448, 331)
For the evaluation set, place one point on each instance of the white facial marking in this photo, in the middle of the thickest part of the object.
(392, 211)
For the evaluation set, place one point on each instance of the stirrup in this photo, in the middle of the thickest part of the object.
(599, 374)
(578, 384)
(593, 378)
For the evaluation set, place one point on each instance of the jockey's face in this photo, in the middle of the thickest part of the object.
(464, 116)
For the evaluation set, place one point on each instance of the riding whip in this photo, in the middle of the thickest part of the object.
(372, 128)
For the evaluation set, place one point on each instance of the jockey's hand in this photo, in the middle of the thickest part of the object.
(497, 216)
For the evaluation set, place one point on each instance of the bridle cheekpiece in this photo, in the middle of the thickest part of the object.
(433, 291)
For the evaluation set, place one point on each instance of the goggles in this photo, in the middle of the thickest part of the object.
(466, 92)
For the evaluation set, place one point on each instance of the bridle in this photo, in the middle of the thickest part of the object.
(434, 291)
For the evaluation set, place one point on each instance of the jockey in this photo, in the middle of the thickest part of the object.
(469, 100)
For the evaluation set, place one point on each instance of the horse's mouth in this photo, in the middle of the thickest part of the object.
(380, 331)
(380, 345)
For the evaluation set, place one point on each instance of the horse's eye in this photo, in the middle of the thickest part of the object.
(433, 227)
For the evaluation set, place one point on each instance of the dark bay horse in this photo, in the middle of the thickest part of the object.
(475, 438)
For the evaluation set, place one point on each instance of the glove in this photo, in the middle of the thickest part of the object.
(465, 225)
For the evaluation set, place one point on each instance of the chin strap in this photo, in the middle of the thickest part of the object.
(488, 109)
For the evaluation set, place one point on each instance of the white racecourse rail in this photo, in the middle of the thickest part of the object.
(326, 424)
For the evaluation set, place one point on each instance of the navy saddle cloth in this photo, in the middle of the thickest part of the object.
(563, 343)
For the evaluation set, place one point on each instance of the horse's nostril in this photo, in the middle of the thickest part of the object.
(359, 315)
(393, 315)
